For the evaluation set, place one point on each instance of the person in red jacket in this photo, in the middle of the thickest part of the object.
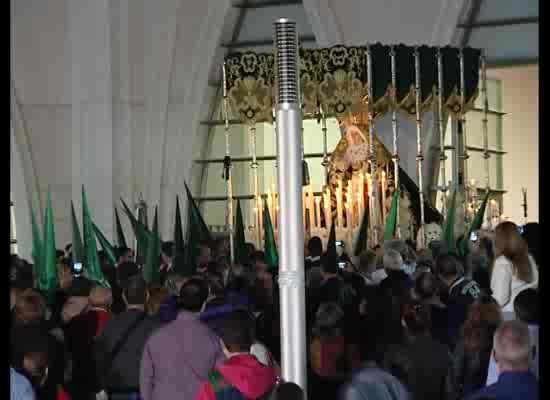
(241, 375)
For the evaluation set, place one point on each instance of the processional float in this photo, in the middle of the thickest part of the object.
(358, 86)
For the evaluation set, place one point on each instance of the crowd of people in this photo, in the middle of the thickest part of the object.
(391, 324)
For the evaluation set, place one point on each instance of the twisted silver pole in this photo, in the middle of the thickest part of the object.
(291, 230)
(442, 155)
(395, 157)
(325, 162)
(462, 119)
(419, 153)
(373, 199)
(228, 171)
(485, 121)
(254, 167)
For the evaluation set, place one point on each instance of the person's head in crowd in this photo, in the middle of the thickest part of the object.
(329, 267)
(124, 255)
(173, 283)
(486, 249)
(215, 283)
(237, 333)
(425, 260)
(126, 270)
(482, 319)
(448, 269)
(511, 347)
(379, 250)
(101, 297)
(250, 249)
(438, 248)
(373, 383)
(193, 295)
(167, 252)
(204, 256)
(526, 306)
(328, 320)
(510, 244)
(134, 293)
(36, 359)
(64, 275)
(258, 261)
(474, 262)
(367, 262)
(68, 250)
(221, 248)
(59, 255)
(426, 286)
(415, 317)
(393, 261)
(315, 247)
(397, 245)
(288, 391)
(30, 308)
(158, 295)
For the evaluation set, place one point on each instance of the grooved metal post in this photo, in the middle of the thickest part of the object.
(373, 199)
(442, 156)
(485, 121)
(395, 157)
(228, 177)
(419, 153)
(291, 230)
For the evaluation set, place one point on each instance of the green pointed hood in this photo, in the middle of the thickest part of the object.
(391, 219)
(93, 267)
(106, 246)
(361, 242)
(151, 272)
(77, 248)
(121, 240)
(239, 246)
(47, 276)
(476, 224)
(270, 245)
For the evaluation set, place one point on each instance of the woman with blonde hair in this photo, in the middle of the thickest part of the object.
(514, 269)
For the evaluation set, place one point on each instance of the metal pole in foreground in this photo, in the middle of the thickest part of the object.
(291, 230)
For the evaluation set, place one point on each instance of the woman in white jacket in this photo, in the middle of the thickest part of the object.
(514, 269)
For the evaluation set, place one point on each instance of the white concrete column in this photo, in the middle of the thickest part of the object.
(89, 34)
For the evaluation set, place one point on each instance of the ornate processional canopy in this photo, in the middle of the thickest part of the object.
(336, 79)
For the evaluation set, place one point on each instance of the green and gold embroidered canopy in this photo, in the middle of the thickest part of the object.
(336, 79)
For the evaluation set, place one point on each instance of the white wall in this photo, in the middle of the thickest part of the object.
(520, 99)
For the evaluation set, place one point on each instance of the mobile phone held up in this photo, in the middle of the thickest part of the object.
(473, 237)
(342, 265)
(77, 269)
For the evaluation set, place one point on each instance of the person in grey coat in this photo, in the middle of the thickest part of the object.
(118, 349)
(372, 383)
(178, 356)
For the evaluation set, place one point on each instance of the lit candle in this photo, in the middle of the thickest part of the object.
(339, 205)
(318, 212)
(360, 193)
(270, 204)
(348, 217)
(327, 209)
(359, 208)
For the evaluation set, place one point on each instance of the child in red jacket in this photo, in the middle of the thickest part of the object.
(241, 375)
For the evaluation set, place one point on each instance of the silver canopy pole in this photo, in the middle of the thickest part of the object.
(395, 156)
(484, 121)
(419, 153)
(291, 230)
(462, 120)
(228, 170)
(442, 155)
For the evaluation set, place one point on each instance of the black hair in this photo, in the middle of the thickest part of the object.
(121, 251)
(526, 306)
(68, 247)
(237, 331)
(135, 290)
(288, 391)
(328, 264)
(193, 294)
(426, 285)
(376, 247)
(315, 246)
(448, 266)
(59, 253)
(125, 271)
(168, 249)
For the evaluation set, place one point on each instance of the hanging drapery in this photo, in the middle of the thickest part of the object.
(336, 78)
